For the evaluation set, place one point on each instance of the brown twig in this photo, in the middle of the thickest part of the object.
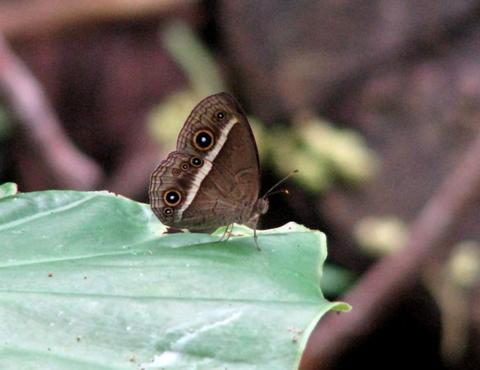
(375, 294)
(68, 167)
(29, 18)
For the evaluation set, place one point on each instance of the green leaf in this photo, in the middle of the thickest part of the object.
(7, 189)
(194, 57)
(88, 281)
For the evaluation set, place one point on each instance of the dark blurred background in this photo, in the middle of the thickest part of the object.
(374, 102)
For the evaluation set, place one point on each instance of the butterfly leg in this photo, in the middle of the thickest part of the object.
(227, 233)
(255, 238)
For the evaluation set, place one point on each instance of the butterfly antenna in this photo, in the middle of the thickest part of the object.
(281, 191)
(285, 191)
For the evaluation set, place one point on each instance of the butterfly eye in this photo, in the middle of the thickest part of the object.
(172, 198)
(220, 115)
(203, 140)
(167, 211)
(196, 162)
(185, 166)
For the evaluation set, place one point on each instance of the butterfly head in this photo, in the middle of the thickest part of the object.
(261, 207)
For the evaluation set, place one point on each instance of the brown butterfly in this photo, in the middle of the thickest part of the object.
(212, 179)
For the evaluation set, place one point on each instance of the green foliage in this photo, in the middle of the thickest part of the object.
(463, 267)
(88, 281)
(7, 189)
(378, 236)
(194, 57)
(323, 153)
